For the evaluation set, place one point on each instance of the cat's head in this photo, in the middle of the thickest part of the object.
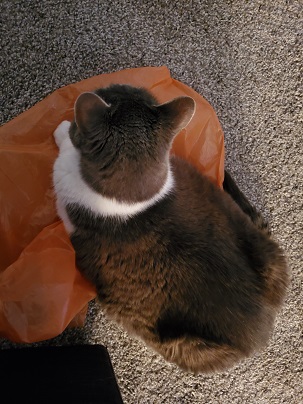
(122, 132)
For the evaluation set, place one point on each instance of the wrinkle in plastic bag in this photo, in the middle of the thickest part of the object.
(41, 291)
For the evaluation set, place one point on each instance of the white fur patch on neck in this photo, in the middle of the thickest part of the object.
(71, 188)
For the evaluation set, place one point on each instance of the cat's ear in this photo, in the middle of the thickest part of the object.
(178, 112)
(89, 111)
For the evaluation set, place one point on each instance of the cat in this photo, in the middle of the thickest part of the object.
(183, 265)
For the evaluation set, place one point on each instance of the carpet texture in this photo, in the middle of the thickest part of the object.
(245, 58)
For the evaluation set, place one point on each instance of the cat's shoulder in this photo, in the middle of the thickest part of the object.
(188, 177)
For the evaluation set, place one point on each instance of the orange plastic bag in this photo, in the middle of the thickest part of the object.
(41, 291)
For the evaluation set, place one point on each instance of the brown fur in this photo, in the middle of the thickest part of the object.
(196, 275)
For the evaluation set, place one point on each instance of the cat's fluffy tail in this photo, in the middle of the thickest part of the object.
(233, 190)
(193, 355)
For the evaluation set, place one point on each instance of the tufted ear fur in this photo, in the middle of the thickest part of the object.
(89, 111)
(178, 113)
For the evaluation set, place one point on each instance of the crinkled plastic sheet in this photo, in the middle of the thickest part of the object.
(41, 291)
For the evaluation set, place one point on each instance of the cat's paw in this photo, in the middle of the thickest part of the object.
(61, 133)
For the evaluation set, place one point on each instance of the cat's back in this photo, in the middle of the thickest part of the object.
(195, 224)
(196, 235)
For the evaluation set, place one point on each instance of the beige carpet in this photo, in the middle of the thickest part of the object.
(245, 58)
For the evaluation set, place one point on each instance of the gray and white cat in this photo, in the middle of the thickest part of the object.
(187, 267)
